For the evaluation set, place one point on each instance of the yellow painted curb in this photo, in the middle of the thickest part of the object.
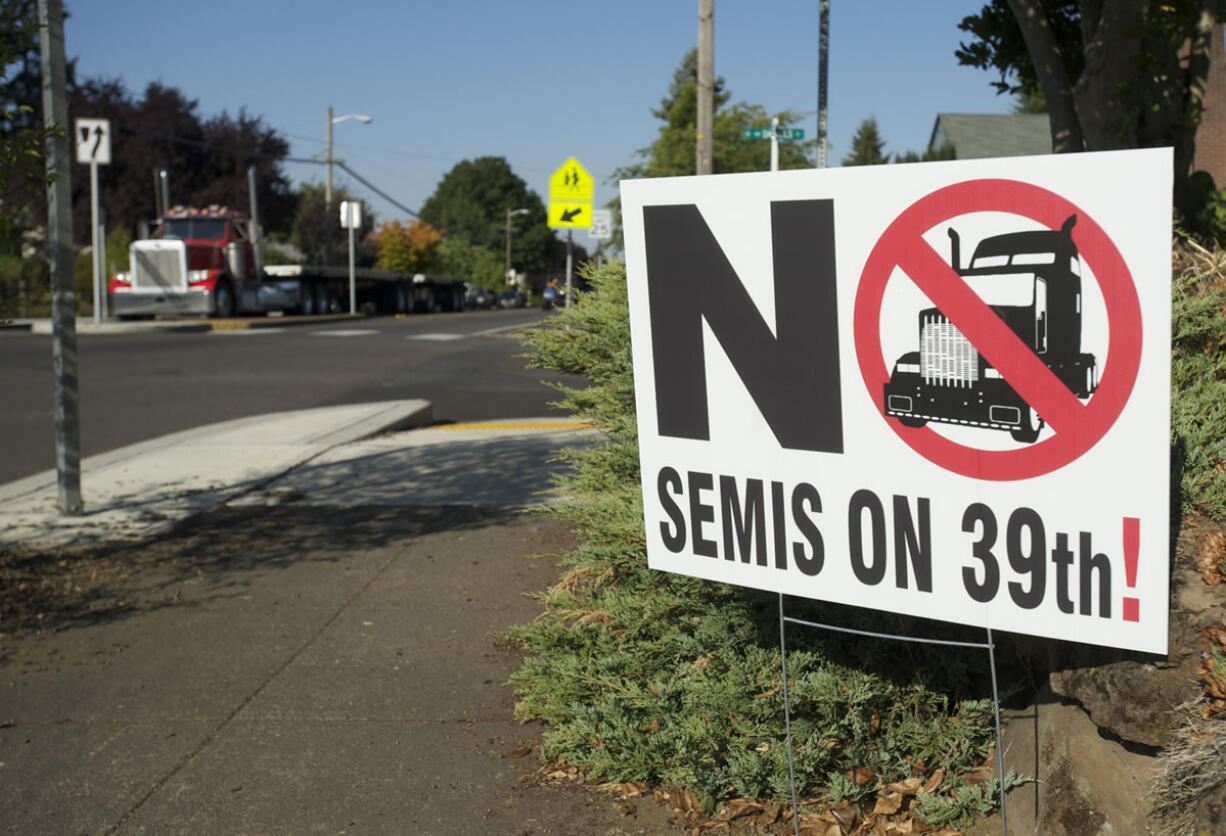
(235, 325)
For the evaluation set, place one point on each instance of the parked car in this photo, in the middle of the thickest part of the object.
(511, 299)
(478, 298)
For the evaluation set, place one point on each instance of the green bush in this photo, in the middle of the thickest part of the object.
(646, 676)
(1198, 379)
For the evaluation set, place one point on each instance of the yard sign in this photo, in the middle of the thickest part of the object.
(938, 389)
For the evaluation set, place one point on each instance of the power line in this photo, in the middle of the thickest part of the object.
(251, 154)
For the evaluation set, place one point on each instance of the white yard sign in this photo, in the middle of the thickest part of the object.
(938, 389)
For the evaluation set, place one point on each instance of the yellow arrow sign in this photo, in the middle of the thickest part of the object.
(573, 214)
(571, 182)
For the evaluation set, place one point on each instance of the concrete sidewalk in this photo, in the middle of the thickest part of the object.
(139, 490)
(314, 647)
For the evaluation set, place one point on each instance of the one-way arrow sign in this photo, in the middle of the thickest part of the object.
(93, 141)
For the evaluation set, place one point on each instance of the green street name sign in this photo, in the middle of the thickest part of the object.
(765, 133)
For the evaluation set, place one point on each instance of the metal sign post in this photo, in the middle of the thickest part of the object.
(351, 218)
(776, 135)
(989, 645)
(93, 142)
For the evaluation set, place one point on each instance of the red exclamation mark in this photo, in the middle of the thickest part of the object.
(1132, 548)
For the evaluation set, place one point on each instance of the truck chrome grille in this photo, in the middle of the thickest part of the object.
(158, 268)
(946, 357)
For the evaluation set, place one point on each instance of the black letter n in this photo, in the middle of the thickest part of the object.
(793, 377)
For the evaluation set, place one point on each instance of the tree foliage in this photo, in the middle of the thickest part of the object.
(410, 247)
(867, 146)
(206, 158)
(672, 152)
(1113, 73)
(472, 201)
(23, 176)
(461, 258)
(314, 223)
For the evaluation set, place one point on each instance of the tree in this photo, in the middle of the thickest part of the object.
(312, 222)
(1118, 74)
(472, 200)
(945, 152)
(672, 152)
(206, 160)
(867, 146)
(23, 177)
(408, 247)
(463, 259)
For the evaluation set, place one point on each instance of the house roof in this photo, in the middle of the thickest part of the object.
(992, 135)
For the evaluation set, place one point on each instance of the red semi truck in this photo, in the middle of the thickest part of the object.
(209, 262)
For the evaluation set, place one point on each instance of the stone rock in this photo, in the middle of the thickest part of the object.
(1087, 784)
(1136, 697)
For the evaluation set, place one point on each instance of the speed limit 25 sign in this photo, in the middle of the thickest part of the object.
(938, 389)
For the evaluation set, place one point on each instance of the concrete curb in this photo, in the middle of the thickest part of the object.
(144, 488)
(88, 326)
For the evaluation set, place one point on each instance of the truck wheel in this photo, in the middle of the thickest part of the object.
(911, 421)
(223, 298)
(1028, 433)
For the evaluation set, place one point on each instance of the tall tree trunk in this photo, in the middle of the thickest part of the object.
(1196, 80)
(1111, 41)
(1049, 68)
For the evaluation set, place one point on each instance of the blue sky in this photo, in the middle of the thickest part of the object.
(534, 81)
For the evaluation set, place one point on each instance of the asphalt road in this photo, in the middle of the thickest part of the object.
(139, 386)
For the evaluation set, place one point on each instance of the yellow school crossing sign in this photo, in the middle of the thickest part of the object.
(570, 196)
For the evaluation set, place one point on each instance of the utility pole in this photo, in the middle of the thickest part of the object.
(328, 159)
(328, 193)
(706, 86)
(823, 52)
(59, 244)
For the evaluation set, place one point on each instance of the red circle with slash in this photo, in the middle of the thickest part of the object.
(1077, 426)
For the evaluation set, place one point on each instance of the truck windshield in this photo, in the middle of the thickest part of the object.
(210, 229)
(1012, 289)
(1018, 258)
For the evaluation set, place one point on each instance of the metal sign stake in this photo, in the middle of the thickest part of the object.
(787, 718)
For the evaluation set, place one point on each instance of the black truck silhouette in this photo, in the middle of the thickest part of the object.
(1032, 281)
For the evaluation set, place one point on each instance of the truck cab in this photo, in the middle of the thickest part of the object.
(199, 261)
(1032, 281)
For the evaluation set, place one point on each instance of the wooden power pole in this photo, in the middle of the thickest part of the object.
(706, 86)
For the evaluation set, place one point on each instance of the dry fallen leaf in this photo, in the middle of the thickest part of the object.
(1212, 553)
(888, 805)
(910, 786)
(859, 775)
(977, 776)
(519, 753)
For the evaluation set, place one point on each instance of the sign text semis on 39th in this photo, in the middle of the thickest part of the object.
(941, 390)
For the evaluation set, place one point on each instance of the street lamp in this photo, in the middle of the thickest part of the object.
(511, 212)
(332, 121)
(328, 160)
